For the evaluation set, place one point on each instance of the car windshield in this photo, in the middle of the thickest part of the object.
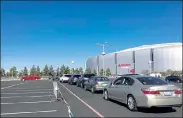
(151, 81)
(77, 76)
(174, 77)
(102, 79)
(67, 75)
(89, 75)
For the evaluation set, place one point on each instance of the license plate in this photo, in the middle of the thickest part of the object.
(167, 93)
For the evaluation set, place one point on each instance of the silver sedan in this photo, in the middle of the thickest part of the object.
(96, 83)
(143, 91)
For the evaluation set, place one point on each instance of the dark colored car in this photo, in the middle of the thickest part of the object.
(174, 79)
(73, 80)
(83, 79)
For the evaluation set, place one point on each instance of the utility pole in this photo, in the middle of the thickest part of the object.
(103, 53)
(72, 64)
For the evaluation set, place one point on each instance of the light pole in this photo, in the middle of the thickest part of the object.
(73, 67)
(150, 67)
(103, 52)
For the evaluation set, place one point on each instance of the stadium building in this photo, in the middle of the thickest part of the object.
(156, 58)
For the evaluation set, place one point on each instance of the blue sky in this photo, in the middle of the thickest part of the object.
(56, 33)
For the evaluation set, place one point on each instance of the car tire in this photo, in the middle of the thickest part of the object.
(85, 88)
(92, 90)
(82, 85)
(105, 95)
(77, 84)
(131, 103)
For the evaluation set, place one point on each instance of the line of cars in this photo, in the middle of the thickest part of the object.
(134, 90)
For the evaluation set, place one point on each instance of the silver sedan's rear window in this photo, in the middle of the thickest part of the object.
(67, 75)
(151, 81)
(101, 79)
(77, 76)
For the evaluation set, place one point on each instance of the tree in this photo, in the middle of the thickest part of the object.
(108, 72)
(67, 70)
(58, 71)
(33, 70)
(41, 73)
(38, 73)
(8, 74)
(72, 71)
(80, 70)
(169, 72)
(13, 71)
(77, 71)
(46, 70)
(88, 71)
(20, 73)
(25, 71)
(101, 72)
(2, 72)
(94, 72)
(62, 70)
(51, 71)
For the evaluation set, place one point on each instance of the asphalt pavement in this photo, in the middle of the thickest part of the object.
(31, 98)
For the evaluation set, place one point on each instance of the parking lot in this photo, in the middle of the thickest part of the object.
(31, 98)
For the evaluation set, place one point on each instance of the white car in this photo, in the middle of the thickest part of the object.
(65, 78)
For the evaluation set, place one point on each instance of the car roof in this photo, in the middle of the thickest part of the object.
(134, 75)
(98, 76)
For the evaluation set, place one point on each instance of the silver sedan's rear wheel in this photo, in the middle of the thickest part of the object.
(81, 85)
(85, 88)
(105, 95)
(77, 84)
(131, 103)
(92, 90)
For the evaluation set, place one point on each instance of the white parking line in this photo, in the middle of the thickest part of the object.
(25, 93)
(90, 107)
(11, 86)
(25, 96)
(31, 90)
(28, 88)
(25, 102)
(3, 114)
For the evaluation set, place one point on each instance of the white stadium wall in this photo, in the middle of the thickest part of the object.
(164, 57)
(124, 62)
(109, 62)
(92, 63)
(142, 58)
(168, 58)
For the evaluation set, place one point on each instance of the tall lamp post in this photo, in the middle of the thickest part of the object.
(150, 67)
(72, 64)
(103, 52)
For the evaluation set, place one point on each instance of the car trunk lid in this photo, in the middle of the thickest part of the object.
(162, 91)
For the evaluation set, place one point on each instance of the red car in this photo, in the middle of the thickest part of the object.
(30, 77)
